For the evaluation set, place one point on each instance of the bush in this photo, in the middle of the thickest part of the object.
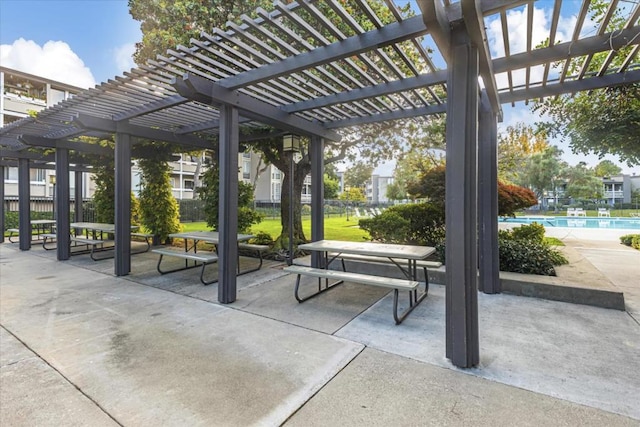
(632, 240)
(262, 238)
(627, 238)
(533, 232)
(523, 250)
(418, 224)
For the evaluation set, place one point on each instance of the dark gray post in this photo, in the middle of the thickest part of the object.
(123, 204)
(78, 213)
(461, 208)
(317, 196)
(488, 199)
(2, 223)
(24, 204)
(228, 205)
(62, 204)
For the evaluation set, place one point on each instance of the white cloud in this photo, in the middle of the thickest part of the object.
(55, 60)
(123, 56)
(517, 31)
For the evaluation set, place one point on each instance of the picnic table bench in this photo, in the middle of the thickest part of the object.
(344, 276)
(403, 256)
(203, 258)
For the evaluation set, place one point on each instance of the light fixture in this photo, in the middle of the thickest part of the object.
(52, 179)
(291, 142)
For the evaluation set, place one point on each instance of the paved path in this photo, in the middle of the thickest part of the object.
(81, 347)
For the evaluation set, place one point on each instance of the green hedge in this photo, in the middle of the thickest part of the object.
(418, 224)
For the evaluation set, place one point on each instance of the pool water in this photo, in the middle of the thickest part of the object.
(578, 222)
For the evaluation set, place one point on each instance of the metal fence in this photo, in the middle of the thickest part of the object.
(42, 208)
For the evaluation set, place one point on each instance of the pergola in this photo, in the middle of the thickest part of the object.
(310, 68)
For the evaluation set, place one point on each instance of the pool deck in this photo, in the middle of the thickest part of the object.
(82, 347)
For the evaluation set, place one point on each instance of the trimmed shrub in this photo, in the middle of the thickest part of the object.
(524, 250)
(635, 242)
(533, 232)
(418, 224)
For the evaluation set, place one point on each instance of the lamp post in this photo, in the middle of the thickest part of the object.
(346, 189)
(52, 181)
(291, 145)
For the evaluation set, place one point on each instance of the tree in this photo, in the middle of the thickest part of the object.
(167, 24)
(430, 185)
(600, 121)
(607, 169)
(511, 198)
(515, 145)
(409, 167)
(331, 187)
(210, 194)
(543, 171)
(358, 175)
(582, 183)
(159, 210)
(353, 195)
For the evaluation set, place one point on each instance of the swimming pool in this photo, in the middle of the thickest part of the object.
(578, 222)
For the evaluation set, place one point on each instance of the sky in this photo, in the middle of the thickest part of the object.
(87, 42)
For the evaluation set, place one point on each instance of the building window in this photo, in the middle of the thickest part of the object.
(55, 96)
(11, 174)
(246, 156)
(276, 175)
(37, 175)
(275, 191)
(246, 169)
(188, 184)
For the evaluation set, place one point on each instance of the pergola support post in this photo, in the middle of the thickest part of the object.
(24, 204)
(62, 204)
(317, 196)
(461, 202)
(123, 205)
(2, 207)
(228, 205)
(78, 212)
(489, 282)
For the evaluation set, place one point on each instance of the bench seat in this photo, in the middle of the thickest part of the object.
(48, 237)
(147, 239)
(257, 249)
(92, 244)
(203, 258)
(367, 258)
(344, 276)
(380, 260)
(13, 232)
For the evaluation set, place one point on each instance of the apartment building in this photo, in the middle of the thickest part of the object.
(23, 93)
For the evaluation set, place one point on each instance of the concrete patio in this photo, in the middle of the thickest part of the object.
(82, 347)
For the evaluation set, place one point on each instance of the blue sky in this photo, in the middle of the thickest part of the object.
(100, 32)
(86, 42)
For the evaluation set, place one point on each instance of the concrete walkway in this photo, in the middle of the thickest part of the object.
(81, 347)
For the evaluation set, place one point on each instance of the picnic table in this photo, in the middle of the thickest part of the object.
(405, 257)
(192, 258)
(95, 239)
(40, 226)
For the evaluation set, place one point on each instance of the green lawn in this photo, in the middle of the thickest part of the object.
(335, 228)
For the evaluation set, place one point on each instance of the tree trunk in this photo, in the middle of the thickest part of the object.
(300, 173)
